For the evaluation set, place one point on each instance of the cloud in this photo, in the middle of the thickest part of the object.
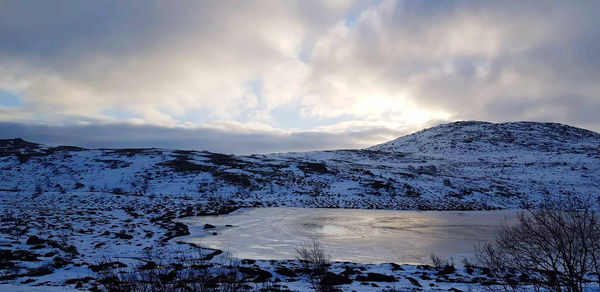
(311, 65)
(220, 137)
(458, 59)
(156, 59)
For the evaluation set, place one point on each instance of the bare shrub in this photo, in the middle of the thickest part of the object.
(38, 189)
(437, 261)
(549, 248)
(315, 263)
(172, 270)
(443, 265)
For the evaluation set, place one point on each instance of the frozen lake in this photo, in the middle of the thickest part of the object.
(362, 236)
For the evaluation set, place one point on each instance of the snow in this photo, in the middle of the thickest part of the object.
(454, 166)
(116, 203)
(15, 288)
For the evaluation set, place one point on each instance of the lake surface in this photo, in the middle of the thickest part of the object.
(362, 236)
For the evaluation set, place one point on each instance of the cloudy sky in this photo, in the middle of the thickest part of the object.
(264, 76)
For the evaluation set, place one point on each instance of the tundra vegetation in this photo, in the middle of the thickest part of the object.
(61, 208)
(552, 248)
(315, 264)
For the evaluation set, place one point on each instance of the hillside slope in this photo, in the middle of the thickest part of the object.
(462, 165)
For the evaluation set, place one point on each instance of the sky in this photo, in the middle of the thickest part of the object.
(275, 76)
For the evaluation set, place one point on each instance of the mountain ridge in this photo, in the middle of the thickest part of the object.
(564, 129)
(461, 165)
(549, 133)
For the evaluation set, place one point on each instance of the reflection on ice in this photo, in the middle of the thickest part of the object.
(364, 236)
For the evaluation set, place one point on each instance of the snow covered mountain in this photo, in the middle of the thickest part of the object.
(68, 214)
(462, 165)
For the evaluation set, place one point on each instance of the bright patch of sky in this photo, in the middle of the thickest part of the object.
(10, 99)
(120, 114)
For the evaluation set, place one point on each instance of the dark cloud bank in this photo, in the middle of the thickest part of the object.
(210, 139)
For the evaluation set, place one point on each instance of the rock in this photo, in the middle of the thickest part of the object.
(59, 262)
(212, 283)
(106, 266)
(447, 269)
(4, 265)
(414, 281)
(211, 255)
(78, 280)
(349, 271)
(285, 271)
(167, 278)
(376, 277)
(123, 235)
(18, 255)
(70, 249)
(259, 274)
(333, 279)
(148, 266)
(38, 272)
(176, 230)
(34, 240)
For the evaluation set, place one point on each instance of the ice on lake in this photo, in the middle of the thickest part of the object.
(362, 236)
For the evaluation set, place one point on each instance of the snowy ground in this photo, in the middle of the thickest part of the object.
(55, 240)
(459, 166)
(65, 209)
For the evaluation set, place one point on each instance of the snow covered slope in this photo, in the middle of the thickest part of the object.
(462, 165)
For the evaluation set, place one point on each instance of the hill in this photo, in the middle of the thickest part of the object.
(70, 215)
(461, 165)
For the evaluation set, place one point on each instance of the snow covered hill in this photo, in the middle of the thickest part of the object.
(462, 165)
(70, 216)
